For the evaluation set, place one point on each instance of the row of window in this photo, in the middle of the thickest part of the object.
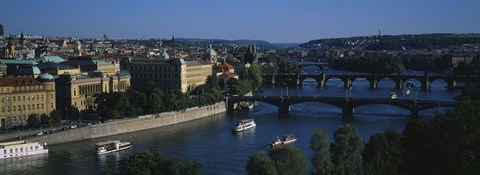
(23, 88)
(155, 75)
(20, 150)
(152, 68)
(25, 98)
(25, 107)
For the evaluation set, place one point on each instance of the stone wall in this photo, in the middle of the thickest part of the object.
(131, 125)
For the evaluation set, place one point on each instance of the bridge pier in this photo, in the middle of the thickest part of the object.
(399, 84)
(414, 113)
(347, 111)
(425, 84)
(347, 83)
(321, 81)
(451, 84)
(283, 108)
(373, 83)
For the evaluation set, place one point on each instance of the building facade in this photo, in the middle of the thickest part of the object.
(78, 90)
(168, 75)
(24, 95)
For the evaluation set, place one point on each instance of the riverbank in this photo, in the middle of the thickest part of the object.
(131, 125)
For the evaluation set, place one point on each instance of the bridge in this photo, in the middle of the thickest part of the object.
(320, 65)
(346, 104)
(296, 79)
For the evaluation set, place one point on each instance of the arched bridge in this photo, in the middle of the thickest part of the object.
(296, 79)
(346, 104)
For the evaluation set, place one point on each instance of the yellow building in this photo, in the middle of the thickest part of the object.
(24, 95)
(77, 90)
(168, 75)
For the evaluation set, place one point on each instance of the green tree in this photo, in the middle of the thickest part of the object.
(383, 154)
(424, 144)
(321, 153)
(56, 116)
(261, 164)
(155, 102)
(146, 163)
(45, 120)
(289, 160)
(33, 121)
(463, 137)
(347, 150)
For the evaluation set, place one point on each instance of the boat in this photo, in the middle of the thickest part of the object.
(21, 148)
(286, 139)
(406, 92)
(111, 146)
(244, 125)
(392, 95)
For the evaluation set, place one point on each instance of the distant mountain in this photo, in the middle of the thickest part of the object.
(286, 45)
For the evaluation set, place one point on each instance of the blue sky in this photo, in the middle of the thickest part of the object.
(271, 20)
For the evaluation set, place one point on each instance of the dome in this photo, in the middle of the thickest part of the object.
(45, 76)
(164, 54)
(210, 52)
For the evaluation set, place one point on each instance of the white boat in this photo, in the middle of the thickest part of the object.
(392, 95)
(286, 139)
(244, 125)
(406, 92)
(112, 146)
(21, 148)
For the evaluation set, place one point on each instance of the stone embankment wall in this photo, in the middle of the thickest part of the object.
(131, 125)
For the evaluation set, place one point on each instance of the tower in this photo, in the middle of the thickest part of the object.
(210, 55)
(173, 38)
(1, 30)
(10, 49)
(22, 38)
(78, 48)
(251, 56)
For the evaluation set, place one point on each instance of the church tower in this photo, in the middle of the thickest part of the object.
(10, 49)
(78, 48)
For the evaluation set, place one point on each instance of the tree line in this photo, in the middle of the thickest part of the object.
(153, 101)
(382, 64)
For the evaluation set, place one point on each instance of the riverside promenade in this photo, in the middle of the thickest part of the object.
(130, 125)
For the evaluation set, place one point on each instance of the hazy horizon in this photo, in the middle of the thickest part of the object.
(282, 21)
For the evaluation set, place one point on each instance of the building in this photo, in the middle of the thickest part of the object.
(13, 66)
(56, 68)
(3, 69)
(210, 55)
(77, 90)
(89, 64)
(168, 74)
(21, 96)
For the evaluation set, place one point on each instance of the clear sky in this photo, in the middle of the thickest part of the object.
(271, 20)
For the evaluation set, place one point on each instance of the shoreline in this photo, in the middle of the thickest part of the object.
(130, 125)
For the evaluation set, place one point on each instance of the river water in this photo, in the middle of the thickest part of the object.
(210, 140)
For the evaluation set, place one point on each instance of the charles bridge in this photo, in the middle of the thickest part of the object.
(296, 79)
(346, 104)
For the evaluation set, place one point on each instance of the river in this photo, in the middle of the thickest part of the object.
(210, 141)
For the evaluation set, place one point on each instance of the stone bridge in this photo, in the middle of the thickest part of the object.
(346, 104)
(296, 79)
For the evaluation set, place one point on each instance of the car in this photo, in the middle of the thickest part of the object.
(73, 126)
(39, 133)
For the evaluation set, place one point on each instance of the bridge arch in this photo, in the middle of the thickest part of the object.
(309, 81)
(386, 82)
(334, 81)
(439, 83)
(416, 82)
(360, 82)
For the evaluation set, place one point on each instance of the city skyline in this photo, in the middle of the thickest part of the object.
(274, 21)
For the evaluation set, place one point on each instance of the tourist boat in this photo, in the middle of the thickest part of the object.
(286, 139)
(406, 92)
(21, 148)
(112, 146)
(244, 125)
(392, 95)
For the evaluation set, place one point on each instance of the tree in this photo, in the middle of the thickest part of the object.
(321, 153)
(33, 121)
(45, 120)
(146, 163)
(261, 164)
(347, 150)
(463, 137)
(56, 116)
(383, 154)
(289, 160)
